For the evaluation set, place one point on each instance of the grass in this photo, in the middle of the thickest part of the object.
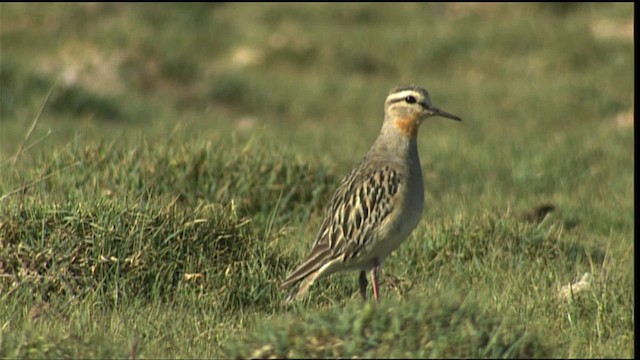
(163, 167)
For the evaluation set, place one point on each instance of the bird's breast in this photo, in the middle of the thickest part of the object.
(405, 218)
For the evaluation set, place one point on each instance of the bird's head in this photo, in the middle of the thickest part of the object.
(406, 107)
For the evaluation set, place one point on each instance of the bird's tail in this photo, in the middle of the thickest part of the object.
(300, 287)
(305, 274)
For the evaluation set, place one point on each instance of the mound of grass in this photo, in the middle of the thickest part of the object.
(437, 326)
(145, 222)
(124, 249)
(32, 344)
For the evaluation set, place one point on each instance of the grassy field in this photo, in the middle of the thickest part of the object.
(164, 166)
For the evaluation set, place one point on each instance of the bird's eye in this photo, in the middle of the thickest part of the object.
(410, 99)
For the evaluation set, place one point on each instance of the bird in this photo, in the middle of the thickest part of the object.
(377, 205)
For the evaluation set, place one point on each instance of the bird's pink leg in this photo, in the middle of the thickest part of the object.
(374, 279)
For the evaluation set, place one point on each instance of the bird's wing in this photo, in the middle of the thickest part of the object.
(362, 202)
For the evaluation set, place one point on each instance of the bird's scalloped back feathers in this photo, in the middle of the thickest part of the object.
(360, 205)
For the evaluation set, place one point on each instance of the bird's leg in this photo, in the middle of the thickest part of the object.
(374, 279)
(363, 285)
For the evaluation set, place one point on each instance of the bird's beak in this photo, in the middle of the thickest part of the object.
(437, 112)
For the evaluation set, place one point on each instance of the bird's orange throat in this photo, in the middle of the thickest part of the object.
(408, 126)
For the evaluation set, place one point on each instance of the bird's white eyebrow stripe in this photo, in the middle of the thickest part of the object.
(401, 95)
